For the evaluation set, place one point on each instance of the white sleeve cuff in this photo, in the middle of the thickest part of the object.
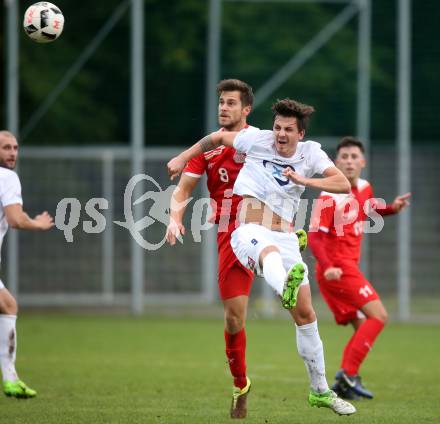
(191, 174)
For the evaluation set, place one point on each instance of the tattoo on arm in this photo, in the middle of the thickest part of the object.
(206, 143)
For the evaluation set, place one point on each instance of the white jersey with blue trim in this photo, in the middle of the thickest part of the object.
(261, 176)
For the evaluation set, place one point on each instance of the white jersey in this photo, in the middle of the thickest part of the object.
(10, 194)
(261, 176)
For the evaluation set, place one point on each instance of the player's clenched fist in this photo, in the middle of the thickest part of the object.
(333, 273)
(175, 166)
(294, 176)
(44, 220)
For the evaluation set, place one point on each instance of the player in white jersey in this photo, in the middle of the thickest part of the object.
(278, 167)
(12, 214)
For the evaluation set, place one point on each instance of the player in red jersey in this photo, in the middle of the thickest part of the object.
(222, 166)
(335, 239)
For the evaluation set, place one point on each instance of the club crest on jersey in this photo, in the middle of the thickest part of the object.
(277, 171)
(239, 157)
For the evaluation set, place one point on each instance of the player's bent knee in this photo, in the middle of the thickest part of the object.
(11, 308)
(8, 304)
(233, 323)
(382, 316)
(234, 319)
(266, 251)
(377, 311)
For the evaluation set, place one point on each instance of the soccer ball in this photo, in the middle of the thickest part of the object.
(43, 22)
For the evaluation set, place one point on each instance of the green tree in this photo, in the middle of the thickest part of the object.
(257, 39)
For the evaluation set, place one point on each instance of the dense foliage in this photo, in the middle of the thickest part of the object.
(257, 39)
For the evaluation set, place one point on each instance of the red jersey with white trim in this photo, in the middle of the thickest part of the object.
(342, 217)
(222, 166)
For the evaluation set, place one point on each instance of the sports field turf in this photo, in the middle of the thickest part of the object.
(116, 369)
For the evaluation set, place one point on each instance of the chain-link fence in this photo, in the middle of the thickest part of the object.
(95, 268)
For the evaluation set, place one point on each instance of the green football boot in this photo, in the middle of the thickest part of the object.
(18, 389)
(302, 239)
(330, 400)
(294, 279)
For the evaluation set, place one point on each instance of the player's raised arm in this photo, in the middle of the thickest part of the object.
(334, 180)
(207, 143)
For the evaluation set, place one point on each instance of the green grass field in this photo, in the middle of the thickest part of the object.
(116, 369)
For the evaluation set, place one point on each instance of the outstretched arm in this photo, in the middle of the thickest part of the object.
(19, 219)
(399, 203)
(334, 180)
(207, 143)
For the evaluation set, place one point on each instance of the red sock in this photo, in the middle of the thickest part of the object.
(236, 353)
(360, 344)
(347, 350)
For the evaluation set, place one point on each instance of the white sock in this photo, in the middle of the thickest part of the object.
(274, 272)
(8, 347)
(310, 348)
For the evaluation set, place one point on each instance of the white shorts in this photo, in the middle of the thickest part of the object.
(2, 286)
(248, 240)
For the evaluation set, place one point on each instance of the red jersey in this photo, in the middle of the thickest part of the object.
(342, 217)
(222, 166)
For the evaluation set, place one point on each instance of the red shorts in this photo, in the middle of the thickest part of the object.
(233, 278)
(345, 297)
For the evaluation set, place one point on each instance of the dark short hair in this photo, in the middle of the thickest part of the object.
(292, 108)
(246, 93)
(350, 141)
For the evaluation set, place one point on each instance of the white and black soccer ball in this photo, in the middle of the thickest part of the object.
(43, 22)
